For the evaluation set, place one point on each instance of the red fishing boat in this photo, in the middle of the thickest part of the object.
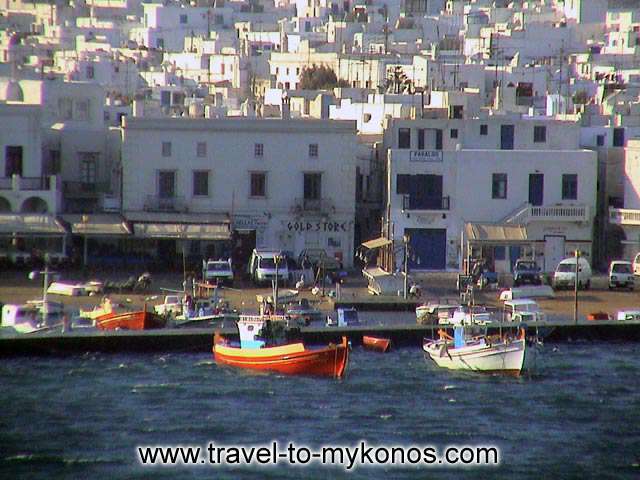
(256, 351)
(140, 320)
(376, 343)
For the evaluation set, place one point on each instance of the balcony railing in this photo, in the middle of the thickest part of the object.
(559, 213)
(425, 203)
(314, 204)
(85, 189)
(155, 203)
(624, 216)
(25, 183)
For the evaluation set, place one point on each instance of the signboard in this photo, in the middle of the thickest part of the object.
(249, 222)
(305, 226)
(425, 156)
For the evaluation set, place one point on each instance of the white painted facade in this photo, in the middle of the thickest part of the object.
(466, 167)
(281, 218)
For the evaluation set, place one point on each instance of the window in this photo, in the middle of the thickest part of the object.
(570, 186)
(166, 149)
(313, 150)
(166, 184)
(600, 140)
(53, 165)
(539, 134)
(499, 253)
(13, 164)
(402, 184)
(201, 149)
(454, 133)
(484, 129)
(90, 71)
(183, 19)
(499, 186)
(421, 139)
(82, 110)
(438, 139)
(618, 137)
(258, 184)
(312, 186)
(404, 138)
(88, 167)
(65, 108)
(200, 183)
(258, 149)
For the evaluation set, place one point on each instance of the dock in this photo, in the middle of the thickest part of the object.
(200, 340)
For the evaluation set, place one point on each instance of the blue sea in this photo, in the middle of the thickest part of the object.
(81, 417)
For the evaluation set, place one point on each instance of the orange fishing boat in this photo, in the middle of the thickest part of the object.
(257, 352)
(376, 343)
(140, 320)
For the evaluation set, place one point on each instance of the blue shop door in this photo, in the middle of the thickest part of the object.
(428, 248)
(514, 254)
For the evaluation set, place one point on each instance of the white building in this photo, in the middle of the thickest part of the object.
(444, 173)
(281, 183)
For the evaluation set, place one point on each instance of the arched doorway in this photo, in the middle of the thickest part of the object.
(5, 206)
(34, 205)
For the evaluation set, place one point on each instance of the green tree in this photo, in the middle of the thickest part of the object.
(319, 77)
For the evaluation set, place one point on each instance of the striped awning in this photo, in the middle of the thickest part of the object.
(183, 231)
(496, 233)
(376, 243)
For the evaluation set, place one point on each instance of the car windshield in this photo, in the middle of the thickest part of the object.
(218, 267)
(567, 267)
(268, 263)
(526, 265)
(621, 268)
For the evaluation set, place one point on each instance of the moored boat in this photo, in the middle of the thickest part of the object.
(377, 344)
(486, 354)
(138, 320)
(259, 349)
(598, 316)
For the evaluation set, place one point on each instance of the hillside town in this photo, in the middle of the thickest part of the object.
(134, 132)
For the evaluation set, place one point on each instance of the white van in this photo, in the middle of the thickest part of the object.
(262, 266)
(621, 275)
(565, 274)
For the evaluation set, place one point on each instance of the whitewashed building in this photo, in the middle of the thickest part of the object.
(279, 183)
(445, 173)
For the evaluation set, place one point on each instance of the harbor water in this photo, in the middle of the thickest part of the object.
(578, 416)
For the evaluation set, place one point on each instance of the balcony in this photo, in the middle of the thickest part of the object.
(317, 205)
(19, 183)
(527, 213)
(85, 189)
(624, 216)
(155, 203)
(425, 203)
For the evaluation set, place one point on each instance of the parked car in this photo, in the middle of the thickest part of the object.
(526, 271)
(565, 274)
(218, 271)
(621, 275)
(262, 266)
(636, 265)
(317, 258)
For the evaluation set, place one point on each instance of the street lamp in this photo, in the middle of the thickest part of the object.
(45, 284)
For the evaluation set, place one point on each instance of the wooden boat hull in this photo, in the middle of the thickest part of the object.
(291, 359)
(376, 344)
(141, 320)
(506, 357)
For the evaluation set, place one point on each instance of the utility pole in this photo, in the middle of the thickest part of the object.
(405, 239)
(575, 289)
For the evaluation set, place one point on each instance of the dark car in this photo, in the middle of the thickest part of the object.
(526, 272)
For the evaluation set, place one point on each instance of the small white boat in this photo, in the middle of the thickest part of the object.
(628, 315)
(524, 310)
(486, 354)
(22, 318)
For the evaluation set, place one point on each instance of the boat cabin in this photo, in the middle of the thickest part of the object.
(23, 318)
(259, 331)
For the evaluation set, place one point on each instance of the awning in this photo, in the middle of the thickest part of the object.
(30, 223)
(98, 224)
(183, 231)
(496, 233)
(376, 243)
(179, 218)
